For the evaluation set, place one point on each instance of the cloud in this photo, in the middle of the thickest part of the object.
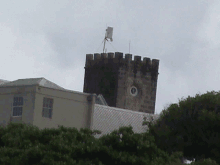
(51, 39)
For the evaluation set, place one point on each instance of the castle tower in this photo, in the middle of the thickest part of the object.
(123, 82)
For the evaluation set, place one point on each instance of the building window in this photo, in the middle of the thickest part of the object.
(17, 106)
(47, 107)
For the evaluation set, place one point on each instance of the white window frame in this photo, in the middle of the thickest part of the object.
(47, 110)
(20, 106)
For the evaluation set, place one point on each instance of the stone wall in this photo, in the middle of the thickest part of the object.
(114, 76)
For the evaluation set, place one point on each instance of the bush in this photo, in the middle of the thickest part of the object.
(205, 162)
(25, 144)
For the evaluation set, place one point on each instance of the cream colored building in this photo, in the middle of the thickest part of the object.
(40, 102)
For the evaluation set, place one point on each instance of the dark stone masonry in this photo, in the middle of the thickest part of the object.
(123, 82)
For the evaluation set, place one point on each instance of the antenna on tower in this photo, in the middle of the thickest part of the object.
(108, 35)
(129, 46)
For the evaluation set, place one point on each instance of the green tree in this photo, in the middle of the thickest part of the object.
(127, 147)
(23, 144)
(191, 126)
(204, 162)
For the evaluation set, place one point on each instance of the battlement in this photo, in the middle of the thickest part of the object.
(110, 59)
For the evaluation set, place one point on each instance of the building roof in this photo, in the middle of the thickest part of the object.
(100, 100)
(31, 81)
(107, 119)
(3, 81)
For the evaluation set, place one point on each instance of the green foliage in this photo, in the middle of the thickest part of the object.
(128, 147)
(205, 162)
(191, 126)
(25, 144)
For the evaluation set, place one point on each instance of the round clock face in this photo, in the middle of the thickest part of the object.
(133, 91)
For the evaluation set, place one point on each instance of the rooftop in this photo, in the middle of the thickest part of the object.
(31, 81)
(3, 81)
(44, 83)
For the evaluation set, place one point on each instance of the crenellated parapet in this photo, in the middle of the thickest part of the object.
(116, 60)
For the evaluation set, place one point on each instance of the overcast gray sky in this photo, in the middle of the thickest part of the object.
(50, 39)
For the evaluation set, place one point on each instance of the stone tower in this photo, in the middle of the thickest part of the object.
(123, 82)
